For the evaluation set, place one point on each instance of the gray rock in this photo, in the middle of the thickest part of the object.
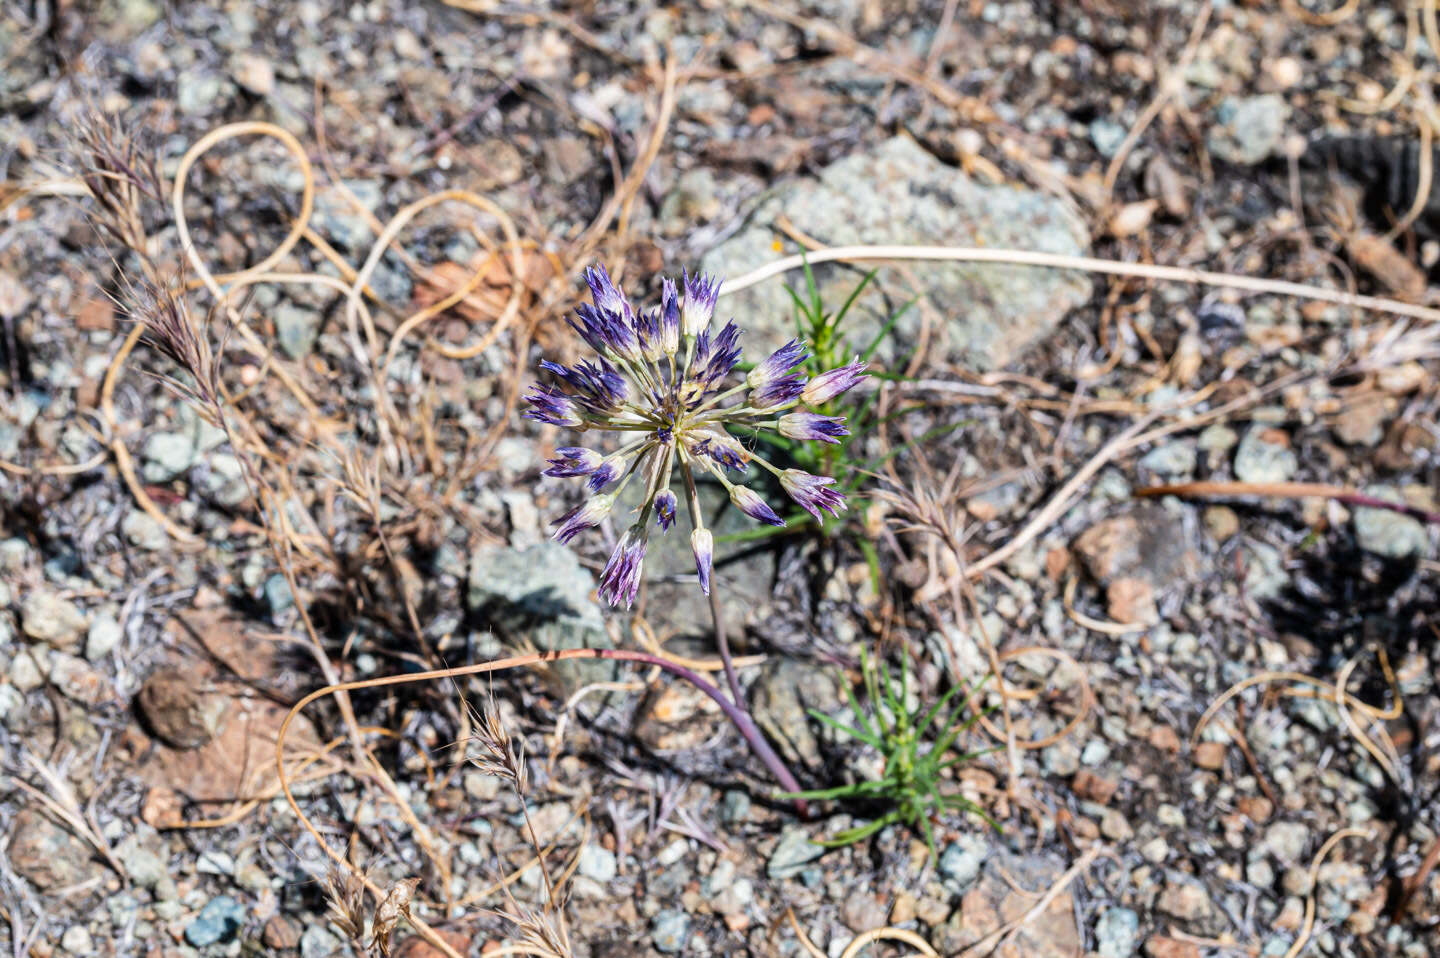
(691, 202)
(25, 673)
(215, 862)
(1171, 459)
(780, 700)
(165, 456)
(899, 193)
(337, 219)
(77, 940)
(542, 593)
(77, 679)
(223, 481)
(1261, 457)
(670, 931)
(219, 921)
(1287, 841)
(734, 807)
(278, 595)
(1107, 135)
(1062, 758)
(15, 555)
(144, 532)
(1248, 129)
(11, 698)
(48, 618)
(297, 328)
(733, 899)
(721, 877)
(792, 853)
(197, 96)
(961, 861)
(597, 863)
(1265, 575)
(104, 635)
(1094, 753)
(1388, 533)
(1117, 933)
(1217, 440)
(168, 455)
(144, 867)
(318, 942)
(123, 908)
(1260, 873)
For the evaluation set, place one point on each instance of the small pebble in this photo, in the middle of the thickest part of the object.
(670, 931)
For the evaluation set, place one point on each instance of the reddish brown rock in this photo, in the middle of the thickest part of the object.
(280, 933)
(1162, 947)
(1211, 755)
(1093, 787)
(177, 711)
(1149, 544)
(420, 948)
(45, 854)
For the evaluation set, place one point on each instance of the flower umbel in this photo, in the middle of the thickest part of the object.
(659, 382)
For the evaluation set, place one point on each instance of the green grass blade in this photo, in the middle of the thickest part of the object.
(839, 726)
(850, 301)
(860, 712)
(885, 331)
(852, 835)
(821, 794)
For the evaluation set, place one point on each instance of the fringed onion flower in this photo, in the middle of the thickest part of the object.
(659, 382)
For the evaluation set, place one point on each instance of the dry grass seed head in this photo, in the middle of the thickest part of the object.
(345, 891)
(121, 173)
(543, 932)
(494, 751)
(172, 331)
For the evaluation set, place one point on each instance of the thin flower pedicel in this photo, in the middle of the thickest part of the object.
(658, 382)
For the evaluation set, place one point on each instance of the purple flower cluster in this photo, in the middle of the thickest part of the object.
(658, 382)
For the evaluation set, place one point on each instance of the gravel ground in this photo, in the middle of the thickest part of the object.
(151, 644)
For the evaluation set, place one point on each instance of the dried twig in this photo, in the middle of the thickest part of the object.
(1289, 490)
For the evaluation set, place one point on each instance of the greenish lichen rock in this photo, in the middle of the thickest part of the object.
(897, 193)
(543, 595)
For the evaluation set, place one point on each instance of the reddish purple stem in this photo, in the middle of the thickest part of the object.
(1371, 502)
(737, 715)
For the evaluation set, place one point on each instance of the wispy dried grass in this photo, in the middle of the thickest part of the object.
(493, 750)
(345, 895)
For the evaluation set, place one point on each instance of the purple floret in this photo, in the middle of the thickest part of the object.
(620, 581)
(571, 461)
(812, 426)
(812, 493)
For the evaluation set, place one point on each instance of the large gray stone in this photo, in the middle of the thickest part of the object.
(544, 595)
(781, 699)
(897, 193)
